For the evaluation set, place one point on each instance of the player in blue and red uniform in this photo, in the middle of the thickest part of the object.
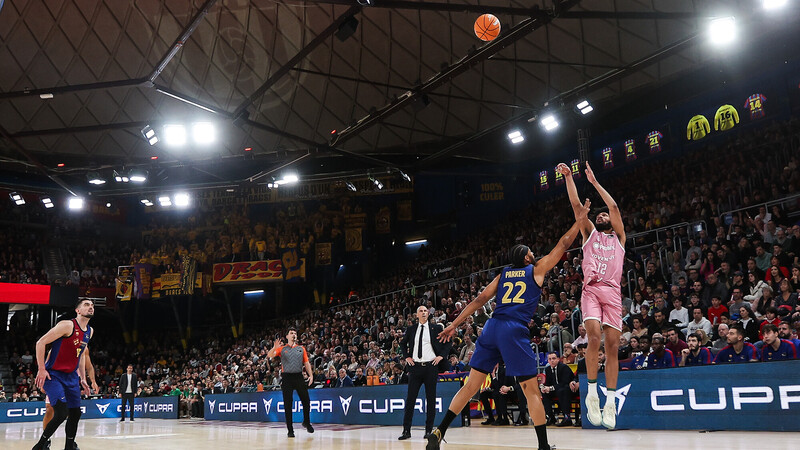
(695, 355)
(775, 348)
(64, 372)
(737, 351)
(661, 357)
(755, 104)
(506, 336)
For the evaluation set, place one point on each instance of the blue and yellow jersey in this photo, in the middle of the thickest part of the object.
(517, 294)
(726, 118)
(697, 128)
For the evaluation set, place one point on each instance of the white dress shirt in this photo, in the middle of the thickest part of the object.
(129, 389)
(428, 354)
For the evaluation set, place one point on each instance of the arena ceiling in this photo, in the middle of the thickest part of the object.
(412, 86)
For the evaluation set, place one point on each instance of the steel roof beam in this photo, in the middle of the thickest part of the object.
(485, 52)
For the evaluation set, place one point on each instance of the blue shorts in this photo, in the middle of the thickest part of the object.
(507, 341)
(63, 387)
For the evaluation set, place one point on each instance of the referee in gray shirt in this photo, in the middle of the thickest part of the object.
(294, 359)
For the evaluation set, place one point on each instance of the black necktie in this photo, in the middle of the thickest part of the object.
(419, 347)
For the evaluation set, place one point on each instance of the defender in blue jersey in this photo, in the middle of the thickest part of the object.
(737, 351)
(775, 348)
(505, 336)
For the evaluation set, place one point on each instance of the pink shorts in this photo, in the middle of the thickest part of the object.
(602, 303)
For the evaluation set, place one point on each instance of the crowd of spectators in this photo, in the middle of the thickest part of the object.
(737, 271)
(20, 259)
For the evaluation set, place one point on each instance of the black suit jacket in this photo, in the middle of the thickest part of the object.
(440, 349)
(222, 390)
(564, 376)
(123, 383)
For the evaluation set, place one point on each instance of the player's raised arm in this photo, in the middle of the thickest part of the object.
(572, 192)
(485, 296)
(613, 209)
(549, 261)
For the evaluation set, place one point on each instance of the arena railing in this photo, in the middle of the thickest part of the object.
(783, 202)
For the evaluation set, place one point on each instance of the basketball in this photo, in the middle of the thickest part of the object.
(487, 27)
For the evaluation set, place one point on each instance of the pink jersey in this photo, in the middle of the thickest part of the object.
(603, 257)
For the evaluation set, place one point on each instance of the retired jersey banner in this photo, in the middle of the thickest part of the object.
(248, 271)
(124, 283)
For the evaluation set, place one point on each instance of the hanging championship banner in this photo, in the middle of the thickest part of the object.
(352, 239)
(188, 275)
(247, 271)
(143, 280)
(323, 253)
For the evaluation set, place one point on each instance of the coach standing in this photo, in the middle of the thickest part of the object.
(127, 389)
(424, 354)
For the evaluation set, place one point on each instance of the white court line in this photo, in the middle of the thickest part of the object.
(137, 436)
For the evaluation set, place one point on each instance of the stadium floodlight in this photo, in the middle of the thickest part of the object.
(95, 178)
(350, 186)
(138, 175)
(146, 202)
(75, 203)
(108, 205)
(722, 30)
(417, 242)
(376, 182)
(47, 202)
(549, 122)
(175, 135)
(181, 199)
(150, 134)
(516, 137)
(17, 198)
(774, 4)
(254, 292)
(584, 107)
(165, 201)
(405, 176)
(204, 133)
(289, 178)
(120, 177)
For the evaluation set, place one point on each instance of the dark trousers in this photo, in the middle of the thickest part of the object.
(127, 398)
(522, 401)
(294, 382)
(417, 376)
(564, 398)
(500, 401)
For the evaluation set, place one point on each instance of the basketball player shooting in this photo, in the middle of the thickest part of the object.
(601, 298)
(506, 336)
(63, 374)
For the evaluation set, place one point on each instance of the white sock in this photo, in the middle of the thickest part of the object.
(593, 389)
(611, 398)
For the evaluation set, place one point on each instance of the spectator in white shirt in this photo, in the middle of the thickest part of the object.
(699, 323)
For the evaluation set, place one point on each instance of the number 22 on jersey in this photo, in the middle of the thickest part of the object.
(509, 287)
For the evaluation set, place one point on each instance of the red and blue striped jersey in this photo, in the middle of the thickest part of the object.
(630, 150)
(66, 351)
(654, 139)
(755, 104)
(608, 158)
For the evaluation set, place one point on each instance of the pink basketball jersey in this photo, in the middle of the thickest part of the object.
(603, 257)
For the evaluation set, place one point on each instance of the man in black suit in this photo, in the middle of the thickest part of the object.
(499, 391)
(556, 387)
(128, 383)
(425, 357)
(224, 389)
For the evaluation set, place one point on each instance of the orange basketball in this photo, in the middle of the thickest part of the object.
(487, 27)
